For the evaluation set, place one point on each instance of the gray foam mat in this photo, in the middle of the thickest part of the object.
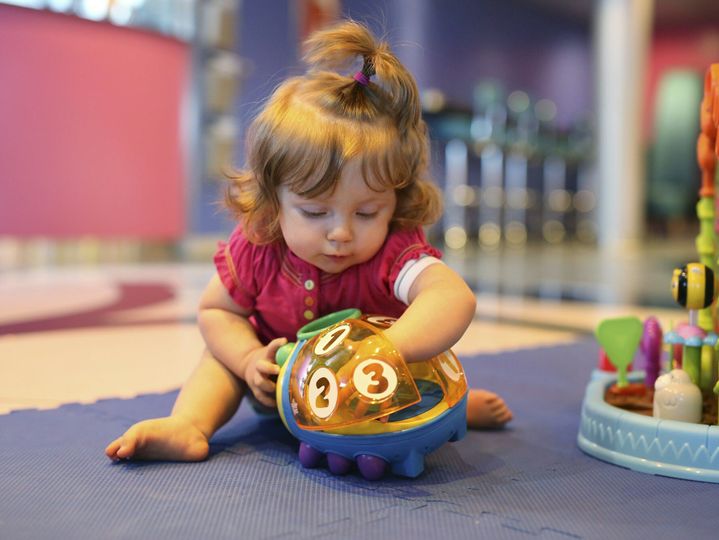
(529, 480)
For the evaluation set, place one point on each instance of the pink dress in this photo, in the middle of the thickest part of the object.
(283, 293)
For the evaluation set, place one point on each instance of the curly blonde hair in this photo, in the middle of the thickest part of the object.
(312, 125)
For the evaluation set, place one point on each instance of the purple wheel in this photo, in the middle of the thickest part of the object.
(338, 464)
(371, 467)
(309, 457)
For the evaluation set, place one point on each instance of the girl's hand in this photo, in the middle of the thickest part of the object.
(262, 370)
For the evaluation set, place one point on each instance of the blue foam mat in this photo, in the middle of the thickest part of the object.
(529, 480)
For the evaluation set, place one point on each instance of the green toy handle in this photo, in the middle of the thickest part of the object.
(312, 329)
(283, 353)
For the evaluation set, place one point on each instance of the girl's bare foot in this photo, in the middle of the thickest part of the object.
(486, 410)
(171, 438)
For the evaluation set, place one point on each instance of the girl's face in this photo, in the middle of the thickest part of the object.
(338, 230)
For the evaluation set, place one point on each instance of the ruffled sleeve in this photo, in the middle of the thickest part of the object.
(235, 260)
(400, 248)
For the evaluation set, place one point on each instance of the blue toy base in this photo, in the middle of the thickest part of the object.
(642, 443)
(403, 451)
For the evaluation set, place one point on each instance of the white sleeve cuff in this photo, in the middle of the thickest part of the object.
(409, 273)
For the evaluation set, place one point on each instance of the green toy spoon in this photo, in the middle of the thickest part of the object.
(619, 337)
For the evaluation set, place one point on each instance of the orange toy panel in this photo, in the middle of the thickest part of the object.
(445, 371)
(451, 376)
(347, 374)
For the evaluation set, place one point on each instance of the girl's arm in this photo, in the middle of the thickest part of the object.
(225, 327)
(441, 307)
(232, 340)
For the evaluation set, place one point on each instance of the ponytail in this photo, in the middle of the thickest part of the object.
(390, 86)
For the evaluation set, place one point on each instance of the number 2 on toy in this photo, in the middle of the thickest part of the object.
(323, 393)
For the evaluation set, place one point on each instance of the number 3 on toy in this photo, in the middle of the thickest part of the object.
(375, 379)
(323, 393)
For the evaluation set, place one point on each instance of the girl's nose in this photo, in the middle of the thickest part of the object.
(340, 232)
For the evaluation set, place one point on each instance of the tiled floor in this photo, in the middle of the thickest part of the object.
(81, 333)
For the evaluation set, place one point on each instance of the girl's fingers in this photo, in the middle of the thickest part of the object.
(267, 368)
(265, 377)
(266, 399)
(266, 385)
(266, 371)
(273, 346)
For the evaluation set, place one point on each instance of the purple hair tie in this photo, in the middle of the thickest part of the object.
(361, 78)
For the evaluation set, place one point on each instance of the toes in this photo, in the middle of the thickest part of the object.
(111, 449)
(126, 450)
(487, 410)
(121, 448)
(493, 402)
(500, 409)
(504, 417)
(484, 397)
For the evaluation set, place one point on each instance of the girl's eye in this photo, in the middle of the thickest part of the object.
(313, 213)
(366, 215)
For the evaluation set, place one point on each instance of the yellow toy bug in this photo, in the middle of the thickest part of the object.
(694, 286)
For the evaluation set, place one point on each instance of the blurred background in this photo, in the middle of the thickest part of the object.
(563, 131)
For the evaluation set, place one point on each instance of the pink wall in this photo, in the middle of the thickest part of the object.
(89, 129)
(692, 48)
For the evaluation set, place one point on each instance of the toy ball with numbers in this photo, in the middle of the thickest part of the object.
(346, 393)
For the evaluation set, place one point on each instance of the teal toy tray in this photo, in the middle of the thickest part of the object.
(643, 443)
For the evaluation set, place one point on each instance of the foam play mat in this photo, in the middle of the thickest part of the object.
(529, 480)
